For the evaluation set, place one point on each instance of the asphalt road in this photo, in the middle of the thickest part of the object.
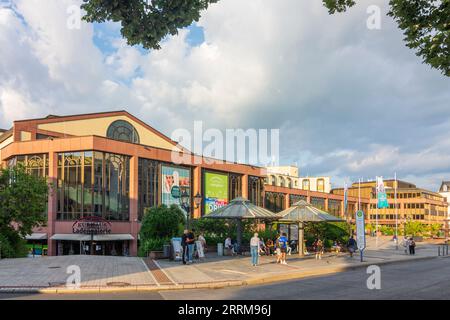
(427, 279)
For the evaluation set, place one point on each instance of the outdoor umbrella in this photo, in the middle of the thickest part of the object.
(239, 209)
(301, 212)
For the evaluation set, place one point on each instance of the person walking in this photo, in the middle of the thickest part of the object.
(184, 245)
(254, 249)
(202, 240)
(412, 246)
(270, 246)
(277, 249)
(351, 246)
(282, 244)
(318, 248)
(405, 244)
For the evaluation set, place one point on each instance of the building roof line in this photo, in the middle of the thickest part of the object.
(85, 116)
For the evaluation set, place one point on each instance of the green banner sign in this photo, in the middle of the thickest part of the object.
(216, 191)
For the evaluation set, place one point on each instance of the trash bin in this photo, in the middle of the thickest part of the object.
(166, 250)
(220, 249)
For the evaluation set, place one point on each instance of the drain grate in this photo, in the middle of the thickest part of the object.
(54, 267)
(118, 284)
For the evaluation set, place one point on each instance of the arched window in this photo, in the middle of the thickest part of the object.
(305, 184)
(289, 182)
(321, 185)
(122, 131)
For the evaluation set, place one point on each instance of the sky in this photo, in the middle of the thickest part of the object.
(350, 102)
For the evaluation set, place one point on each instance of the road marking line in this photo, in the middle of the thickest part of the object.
(151, 274)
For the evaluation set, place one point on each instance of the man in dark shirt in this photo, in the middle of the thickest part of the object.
(184, 244)
(191, 244)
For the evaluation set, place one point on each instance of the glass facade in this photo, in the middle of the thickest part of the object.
(93, 184)
(35, 164)
(235, 185)
(294, 198)
(334, 207)
(256, 190)
(149, 177)
(274, 201)
(319, 203)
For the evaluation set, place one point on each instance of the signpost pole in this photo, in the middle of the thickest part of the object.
(360, 233)
(301, 236)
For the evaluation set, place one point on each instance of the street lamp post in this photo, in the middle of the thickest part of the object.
(185, 204)
(184, 198)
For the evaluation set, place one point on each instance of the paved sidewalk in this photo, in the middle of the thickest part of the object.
(105, 274)
(96, 271)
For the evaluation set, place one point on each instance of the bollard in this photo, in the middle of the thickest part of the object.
(446, 249)
(439, 251)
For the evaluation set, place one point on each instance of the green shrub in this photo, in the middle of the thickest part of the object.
(148, 245)
(386, 230)
(267, 234)
(12, 246)
(434, 229)
(161, 222)
(415, 228)
(328, 232)
(159, 225)
(217, 230)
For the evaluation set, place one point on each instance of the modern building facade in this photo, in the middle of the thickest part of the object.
(413, 203)
(444, 191)
(288, 176)
(105, 169)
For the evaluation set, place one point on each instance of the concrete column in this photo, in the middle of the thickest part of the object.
(245, 186)
(134, 186)
(326, 204)
(301, 237)
(52, 201)
(197, 187)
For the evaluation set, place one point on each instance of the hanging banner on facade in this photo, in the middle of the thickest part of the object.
(175, 181)
(381, 194)
(216, 191)
(360, 230)
(345, 197)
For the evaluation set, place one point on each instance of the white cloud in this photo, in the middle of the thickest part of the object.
(350, 101)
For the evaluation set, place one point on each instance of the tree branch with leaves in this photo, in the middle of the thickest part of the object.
(425, 23)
